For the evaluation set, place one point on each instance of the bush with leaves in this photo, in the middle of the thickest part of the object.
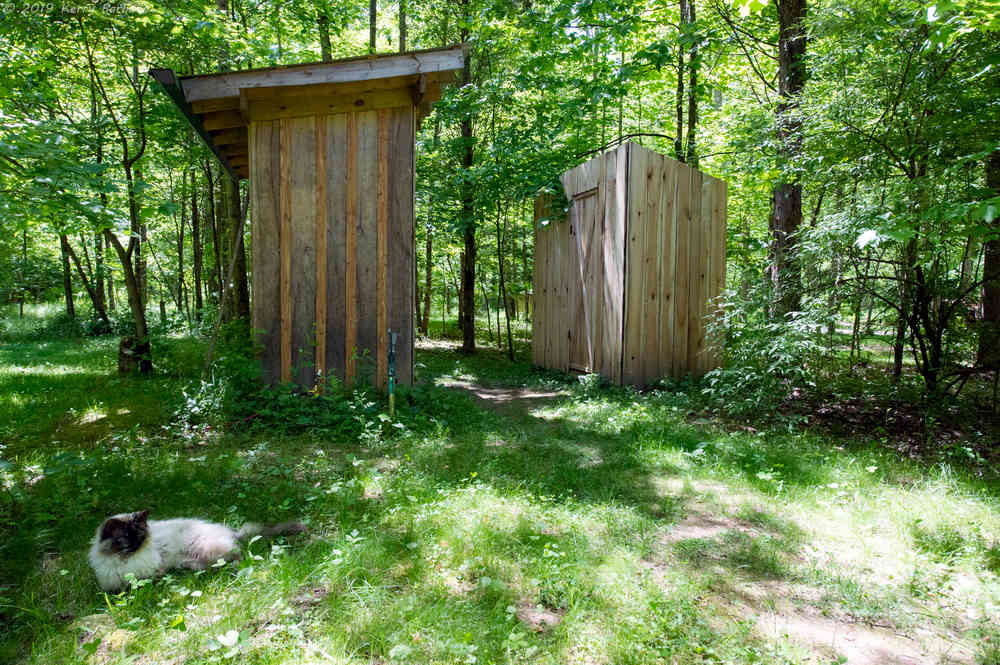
(766, 358)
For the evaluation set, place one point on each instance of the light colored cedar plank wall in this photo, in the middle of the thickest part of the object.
(696, 272)
(613, 250)
(668, 233)
(681, 266)
(660, 226)
(651, 279)
(635, 286)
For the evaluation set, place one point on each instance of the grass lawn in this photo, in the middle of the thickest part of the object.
(508, 515)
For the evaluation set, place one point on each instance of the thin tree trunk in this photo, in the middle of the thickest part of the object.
(323, 24)
(240, 304)
(181, 289)
(140, 232)
(402, 26)
(214, 276)
(372, 23)
(428, 271)
(468, 296)
(692, 148)
(95, 297)
(99, 268)
(428, 244)
(503, 284)
(786, 200)
(67, 278)
(989, 335)
(197, 249)
(679, 153)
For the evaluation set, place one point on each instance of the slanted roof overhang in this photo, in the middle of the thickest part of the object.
(220, 107)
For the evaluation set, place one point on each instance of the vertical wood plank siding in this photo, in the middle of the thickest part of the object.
(626, 286)
(333, 245)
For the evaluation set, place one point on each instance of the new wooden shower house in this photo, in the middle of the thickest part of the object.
(329, 152)
(625, 285)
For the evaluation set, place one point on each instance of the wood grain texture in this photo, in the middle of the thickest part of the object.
(645, 244)
(367, 244)
(696, 275)
(336, 243)
(266, 261)
(401, 262)
(285, 245)
(328, 104)
(351, 253)
(667, 251)
(321, 180)
(303, 249)
(198, 88)
(651, 259)
(382, 251)
(682, 280)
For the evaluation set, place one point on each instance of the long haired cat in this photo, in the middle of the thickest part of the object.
(131, 544)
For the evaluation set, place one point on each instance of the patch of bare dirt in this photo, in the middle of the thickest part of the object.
(782, 610)
(538, 618)
(704, 525)
(505, 397)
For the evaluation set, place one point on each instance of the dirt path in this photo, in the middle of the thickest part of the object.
(506, 398)
(781, 610)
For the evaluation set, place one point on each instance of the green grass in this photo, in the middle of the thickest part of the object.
(641, 532)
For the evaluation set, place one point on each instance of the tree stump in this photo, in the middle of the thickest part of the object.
(134, 356)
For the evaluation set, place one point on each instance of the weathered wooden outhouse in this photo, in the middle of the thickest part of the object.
(329, 151)
(624, 286)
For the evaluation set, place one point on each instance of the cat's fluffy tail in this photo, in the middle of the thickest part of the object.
(251, 529)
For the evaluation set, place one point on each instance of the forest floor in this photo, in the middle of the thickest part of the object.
(506, 515)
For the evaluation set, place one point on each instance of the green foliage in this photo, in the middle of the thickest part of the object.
(766, 359)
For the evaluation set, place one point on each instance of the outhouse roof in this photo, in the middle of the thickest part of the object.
(221, 106)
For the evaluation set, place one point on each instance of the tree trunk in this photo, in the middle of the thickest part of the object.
(181, 287)
(139, 233)
(99, 270)
(503, 284)
(786, 203)
(468, 296)
(133, 352)
(197, 248)
(372, 22)
(692, 151)
(240, 304)
(989, 335)
(402, 26)
(95, 296)
(67, 278)
(428, 270)
(679, 139)
(214, 275)
(323, 24)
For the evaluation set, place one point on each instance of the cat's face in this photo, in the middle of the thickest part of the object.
(124, 534)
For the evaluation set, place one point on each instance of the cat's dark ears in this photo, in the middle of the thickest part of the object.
(140, 516)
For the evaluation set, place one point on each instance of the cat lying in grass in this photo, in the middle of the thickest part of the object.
(130, 544)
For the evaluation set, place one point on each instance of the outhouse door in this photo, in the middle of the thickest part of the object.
(586, 231)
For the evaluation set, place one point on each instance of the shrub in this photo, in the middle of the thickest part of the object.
(765, 358)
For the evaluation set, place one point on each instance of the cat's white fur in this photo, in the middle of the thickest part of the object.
(178, 543)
